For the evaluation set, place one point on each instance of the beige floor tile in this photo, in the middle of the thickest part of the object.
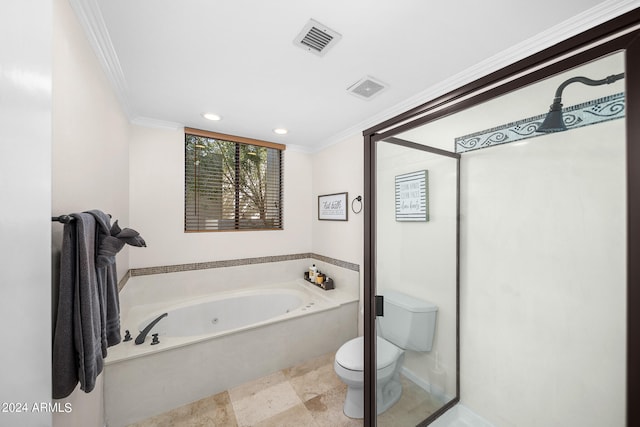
(327, 409)
(310, 365)
(307, 395)
(253, 387)
(298, 416)
(212, 411)
(414, 405)
(261, 405)
(315, 382)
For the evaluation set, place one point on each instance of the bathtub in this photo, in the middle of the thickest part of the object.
(215, 342)
(226, 313)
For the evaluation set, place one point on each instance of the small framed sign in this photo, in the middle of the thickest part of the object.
(333, 207)
(412, 196)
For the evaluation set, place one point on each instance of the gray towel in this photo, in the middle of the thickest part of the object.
(109, 241)
(77, 342)
(88, 319)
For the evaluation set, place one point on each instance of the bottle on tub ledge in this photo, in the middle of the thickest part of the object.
(318, 278)
(327, 283)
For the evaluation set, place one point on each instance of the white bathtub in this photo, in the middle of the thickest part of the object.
(215, 342)
(226, 313)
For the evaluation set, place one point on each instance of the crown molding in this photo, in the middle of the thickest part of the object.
(90, 18)
(300, 148)
(590, 18)
(156, 123)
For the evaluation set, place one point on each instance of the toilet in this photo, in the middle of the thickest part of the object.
(408, 324)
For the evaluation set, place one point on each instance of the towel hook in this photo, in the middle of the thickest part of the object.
(359, 200)
(65, 219)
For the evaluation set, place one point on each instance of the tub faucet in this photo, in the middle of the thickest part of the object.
(140, 338)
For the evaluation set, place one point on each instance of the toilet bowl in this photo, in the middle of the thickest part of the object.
(409, 323)
(349, 366)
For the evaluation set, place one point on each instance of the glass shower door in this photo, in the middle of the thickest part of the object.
(416, 276)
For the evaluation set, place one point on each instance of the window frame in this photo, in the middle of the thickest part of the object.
(237, 140)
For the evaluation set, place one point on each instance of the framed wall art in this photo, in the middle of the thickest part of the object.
(333, 207)
(412, 196)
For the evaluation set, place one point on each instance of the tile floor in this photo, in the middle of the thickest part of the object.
(309, 394)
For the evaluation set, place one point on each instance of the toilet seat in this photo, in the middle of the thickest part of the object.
(351, 355)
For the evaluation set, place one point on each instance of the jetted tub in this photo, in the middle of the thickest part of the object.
(215, 342)
(226, 313)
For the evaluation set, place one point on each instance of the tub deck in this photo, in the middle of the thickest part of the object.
(314, 300)
(143, 380)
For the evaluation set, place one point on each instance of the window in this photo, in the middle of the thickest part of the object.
(231, 183)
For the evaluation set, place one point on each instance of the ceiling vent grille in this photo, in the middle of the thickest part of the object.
(316, 38)
(366, 87)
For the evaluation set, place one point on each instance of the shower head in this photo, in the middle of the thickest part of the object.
(554, 121)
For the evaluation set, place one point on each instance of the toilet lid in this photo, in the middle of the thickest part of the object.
(351, 354)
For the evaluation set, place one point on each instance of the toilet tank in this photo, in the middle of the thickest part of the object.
(408, 322)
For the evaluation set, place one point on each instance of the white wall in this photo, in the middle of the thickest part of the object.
(90, 163)
(336, 169)
(90, 132)
(157, 207)
(543, 280)
(25, 167)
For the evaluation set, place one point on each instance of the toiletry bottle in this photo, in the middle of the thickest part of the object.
(313, 271)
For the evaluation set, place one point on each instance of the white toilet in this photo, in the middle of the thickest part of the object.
(408, 324)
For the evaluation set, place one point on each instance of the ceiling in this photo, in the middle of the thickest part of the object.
(170, 61)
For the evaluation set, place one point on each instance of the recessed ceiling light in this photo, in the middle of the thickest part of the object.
(211, 116)
(280, 131)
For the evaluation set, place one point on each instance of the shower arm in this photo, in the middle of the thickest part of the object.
(557, 100)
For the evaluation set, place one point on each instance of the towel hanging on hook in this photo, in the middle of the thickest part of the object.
(88, 315)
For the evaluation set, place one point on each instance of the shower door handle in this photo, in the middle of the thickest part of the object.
(379, 305)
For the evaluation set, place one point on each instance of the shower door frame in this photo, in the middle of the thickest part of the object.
(456, 157)
(619, 34)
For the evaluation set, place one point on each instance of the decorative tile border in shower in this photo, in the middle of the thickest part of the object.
(238, 262)
(588, 113)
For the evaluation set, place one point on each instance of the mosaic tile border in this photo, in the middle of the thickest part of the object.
(124, 280)
(238, 262)
(588, 113)
(334, 261)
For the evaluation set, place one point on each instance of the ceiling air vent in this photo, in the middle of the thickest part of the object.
(366, 87)
(316, 38)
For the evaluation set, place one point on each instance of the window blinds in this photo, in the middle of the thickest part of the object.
(231, 184)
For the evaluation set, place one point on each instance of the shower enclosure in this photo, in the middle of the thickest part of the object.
(520, 233)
